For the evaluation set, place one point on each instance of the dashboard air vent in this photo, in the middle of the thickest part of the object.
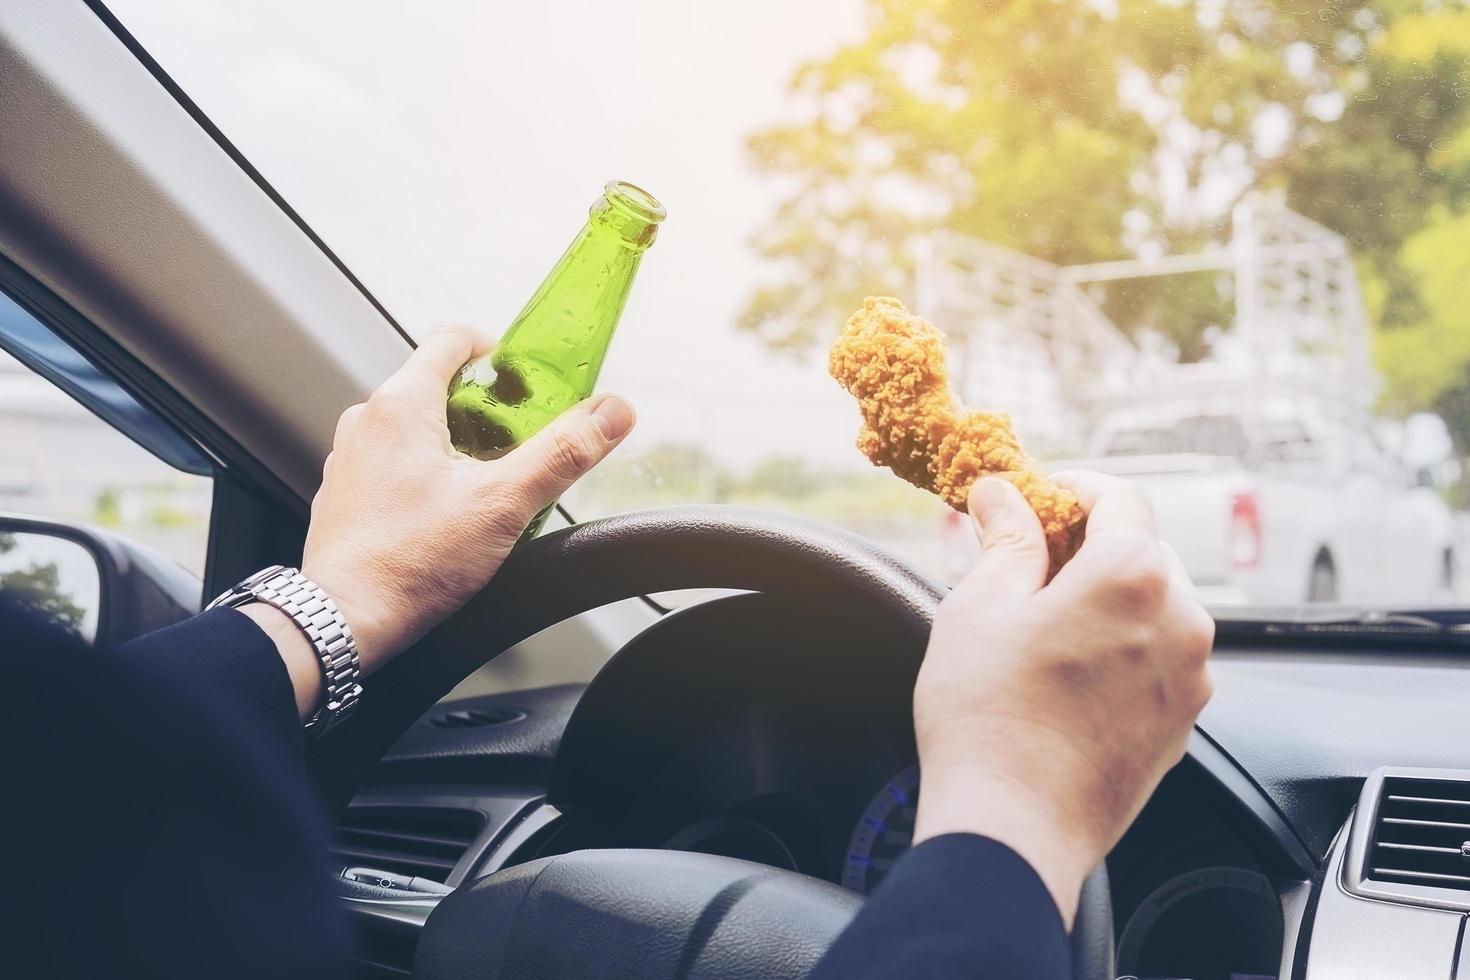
(475, 717)
(425, 841)
(1422, 833)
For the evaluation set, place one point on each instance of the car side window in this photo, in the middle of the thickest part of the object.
(75, 447)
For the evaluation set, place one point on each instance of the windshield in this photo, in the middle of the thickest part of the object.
(1218, 247)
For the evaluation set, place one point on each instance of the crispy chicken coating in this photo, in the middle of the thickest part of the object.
(893, 362)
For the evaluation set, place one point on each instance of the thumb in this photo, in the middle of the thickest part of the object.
(1013, 559)
(544, 466)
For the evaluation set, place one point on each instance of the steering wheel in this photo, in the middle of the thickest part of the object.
(654, 914)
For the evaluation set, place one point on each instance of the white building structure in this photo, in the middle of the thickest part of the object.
(1026, 334)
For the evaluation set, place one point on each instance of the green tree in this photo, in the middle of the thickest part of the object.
(665, 473)
(1083, 130)
(783, 476)
(39, 586)
(107, 508)
(1393, 175)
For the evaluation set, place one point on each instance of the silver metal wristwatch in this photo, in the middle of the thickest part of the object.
(314, 611)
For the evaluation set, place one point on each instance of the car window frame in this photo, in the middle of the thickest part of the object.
(254, 519)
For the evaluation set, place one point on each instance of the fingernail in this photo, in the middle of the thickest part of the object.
(986, 495)
(613, 416)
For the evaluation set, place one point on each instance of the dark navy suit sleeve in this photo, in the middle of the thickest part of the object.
(222, 659)
(957, 906)
(158, 818)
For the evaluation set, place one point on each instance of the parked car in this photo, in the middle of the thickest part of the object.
(1279, 506)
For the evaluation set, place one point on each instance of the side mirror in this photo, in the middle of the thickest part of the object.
(101, 586)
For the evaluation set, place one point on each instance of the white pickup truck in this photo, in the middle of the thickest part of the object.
(1279, 511)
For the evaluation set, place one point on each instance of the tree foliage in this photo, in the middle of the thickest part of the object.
(1088, 130)
(39, 586)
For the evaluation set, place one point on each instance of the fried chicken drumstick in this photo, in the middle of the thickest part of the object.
(893, 362)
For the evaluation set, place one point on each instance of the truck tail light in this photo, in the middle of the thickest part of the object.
(1245, 530)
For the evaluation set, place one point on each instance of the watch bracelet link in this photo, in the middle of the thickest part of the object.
(318, 617)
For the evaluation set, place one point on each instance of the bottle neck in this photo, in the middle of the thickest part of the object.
(567, 325)
(570, 320)
(613, 215)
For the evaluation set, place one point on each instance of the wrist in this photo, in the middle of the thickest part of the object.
(295, 650)
(974, 799)
(315, 616)
(375, 641)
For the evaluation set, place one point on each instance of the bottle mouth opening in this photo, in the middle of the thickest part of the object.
(635, 201)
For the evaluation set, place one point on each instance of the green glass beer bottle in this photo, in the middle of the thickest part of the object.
(549, 358)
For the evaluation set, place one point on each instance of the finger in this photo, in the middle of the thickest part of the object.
(543, 467)
(485, 342)
(425, 376)
(1194, 630)
(347, 424)
(1178, 575)
(1111, 504)
(1013, 559)
(1088, 485)
(1182, 589)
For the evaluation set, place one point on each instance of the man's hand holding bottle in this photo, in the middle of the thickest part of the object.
(405, 529)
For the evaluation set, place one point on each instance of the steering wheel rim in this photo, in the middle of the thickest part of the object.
(634, 554)
(620, 557)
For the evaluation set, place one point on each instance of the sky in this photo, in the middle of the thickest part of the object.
(447, 152)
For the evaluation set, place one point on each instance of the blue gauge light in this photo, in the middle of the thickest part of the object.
(883, 832)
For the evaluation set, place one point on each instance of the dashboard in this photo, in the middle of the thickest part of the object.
(884, 830)
(741, 728)
(1190, 897)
